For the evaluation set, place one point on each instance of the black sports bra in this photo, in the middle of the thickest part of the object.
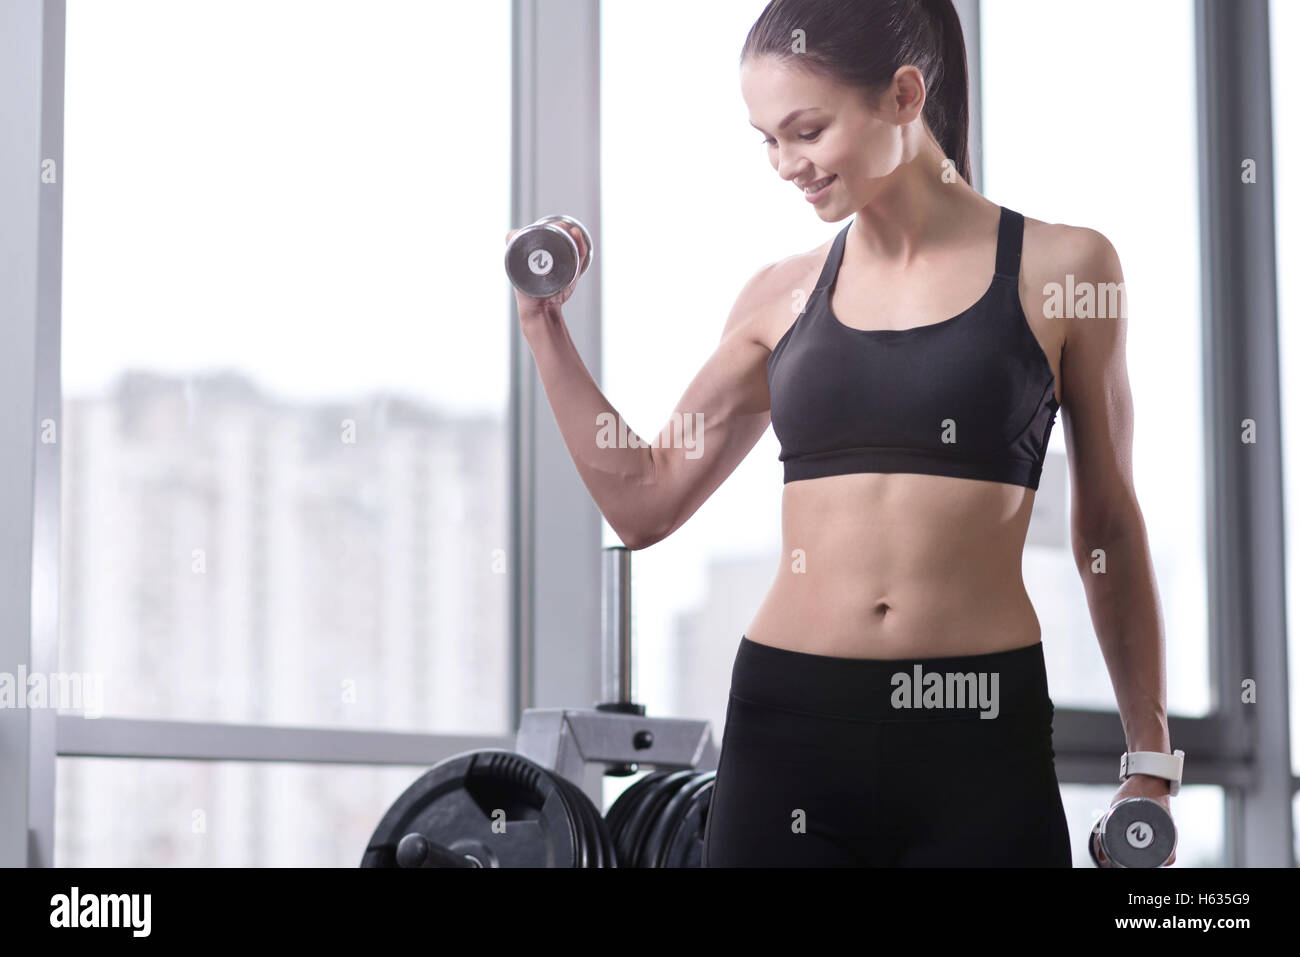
(970, 397)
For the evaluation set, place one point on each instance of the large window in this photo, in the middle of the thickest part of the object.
(285, 390)
(1059, 148)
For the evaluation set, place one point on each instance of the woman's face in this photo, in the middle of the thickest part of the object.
(838, 135)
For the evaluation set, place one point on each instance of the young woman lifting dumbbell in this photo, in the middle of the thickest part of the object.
(889, 702)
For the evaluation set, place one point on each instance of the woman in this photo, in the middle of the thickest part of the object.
(889, 702)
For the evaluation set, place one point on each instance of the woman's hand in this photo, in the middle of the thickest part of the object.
(1147, 786)
(530, 307)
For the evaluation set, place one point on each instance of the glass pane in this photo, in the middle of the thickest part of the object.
(115, 812)
(1197, 810)
(284, 485)
(1284, 26)
(694, 592)
(1056, 150)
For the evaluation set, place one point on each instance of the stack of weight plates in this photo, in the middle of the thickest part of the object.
(659, 820)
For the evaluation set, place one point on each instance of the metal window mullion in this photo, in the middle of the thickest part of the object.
(558, 528)
(1244, 482)
(969, 13)
(31, 255)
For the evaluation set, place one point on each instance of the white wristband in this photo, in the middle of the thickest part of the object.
(1155, 763)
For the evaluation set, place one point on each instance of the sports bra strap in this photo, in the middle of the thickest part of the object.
(833, 259)
(1011, 233)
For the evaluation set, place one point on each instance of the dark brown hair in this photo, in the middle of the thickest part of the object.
(862, 43)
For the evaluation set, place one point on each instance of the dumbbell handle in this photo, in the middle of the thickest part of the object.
(416, 850)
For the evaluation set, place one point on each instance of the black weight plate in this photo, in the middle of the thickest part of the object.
(606, 841)
(454, 803)
(623, 804)
(644, 818)
(596, 828)
(583, 813)
(633, 815)
(683, 846)
(600, 833)
(666, 820)
(583, 856)
(657, 828)
(668, 803)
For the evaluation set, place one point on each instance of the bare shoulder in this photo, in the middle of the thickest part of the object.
(775, 295)
(1054, 248)
(1061, 256)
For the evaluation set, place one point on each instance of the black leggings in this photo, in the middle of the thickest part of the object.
(821, 765)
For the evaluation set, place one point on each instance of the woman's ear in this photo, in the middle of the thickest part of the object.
(906, 95)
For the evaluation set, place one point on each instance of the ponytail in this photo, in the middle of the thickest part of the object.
(947, 107)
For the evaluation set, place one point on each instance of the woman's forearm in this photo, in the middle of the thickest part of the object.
(619, 474)
(1126, 615)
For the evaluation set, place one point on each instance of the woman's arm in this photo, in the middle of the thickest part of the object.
(646, 492)
(619, 475)
(1107, 528)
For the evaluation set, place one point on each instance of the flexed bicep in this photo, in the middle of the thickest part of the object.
(719, 418)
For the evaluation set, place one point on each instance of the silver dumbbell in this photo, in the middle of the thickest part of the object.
(542, 258)
(1134, 832)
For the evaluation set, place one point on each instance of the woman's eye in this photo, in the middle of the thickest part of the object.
(806, 137)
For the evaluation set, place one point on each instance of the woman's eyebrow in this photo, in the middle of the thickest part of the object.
(789, 118)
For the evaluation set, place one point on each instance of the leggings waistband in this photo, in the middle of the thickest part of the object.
(999, 683)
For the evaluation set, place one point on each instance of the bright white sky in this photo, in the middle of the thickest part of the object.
(279, 187)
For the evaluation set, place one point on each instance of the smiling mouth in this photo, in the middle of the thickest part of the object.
(818, 186)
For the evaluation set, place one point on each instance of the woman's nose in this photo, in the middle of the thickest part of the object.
(790, 166)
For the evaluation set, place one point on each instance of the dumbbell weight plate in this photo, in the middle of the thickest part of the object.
(628, 834)
(454, 805)
(586, 237)
(644, 818)
(1136, 832)
(686, 846)
(657, 829)
(1092, 848)
(678, 839)
(604, 842)
(542, 260)
(594, 842)
(586, 856)
(617, 815)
